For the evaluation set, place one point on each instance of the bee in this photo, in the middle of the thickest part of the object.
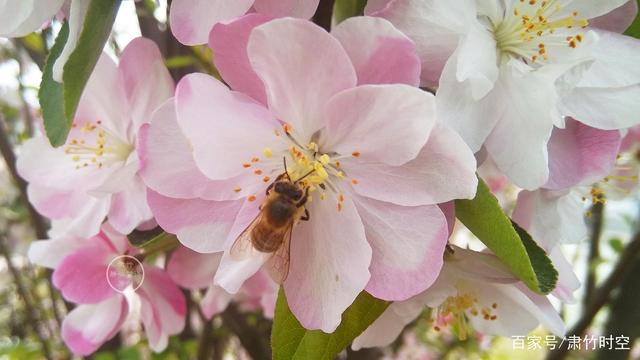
(270, 232)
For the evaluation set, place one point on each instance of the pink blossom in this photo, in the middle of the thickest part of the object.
(191, 20)
(378, 163)
(473, 292)
(94, 175)
(81, 274)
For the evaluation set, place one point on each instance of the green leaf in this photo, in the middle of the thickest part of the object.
(344, 9)
(50, 93)
(634, 29)
(58, 115)
(289, 340)
(153, 241)
(484, 217)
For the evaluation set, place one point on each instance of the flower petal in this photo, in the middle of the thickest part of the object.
(301, 66)
(366, 120)
(380, 53)
(87, 327)
(281, 8)
(77, 13)
(617, 20)
(192, 270)
(19, 18)
(604, 108)
(407, 243)
(434, 26)
(225, 128)
(163, 307)
(229, 44)
(82, 276)
(191, 20)
(443, 170)
(579, 154)
(389, 325)
(50, 253)
(129, 208)
(215, 301)
(147, 82)
(330, 258)
(551, 217)
(201, 225)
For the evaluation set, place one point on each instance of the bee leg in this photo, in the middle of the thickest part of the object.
(306, 216)
(304, 199)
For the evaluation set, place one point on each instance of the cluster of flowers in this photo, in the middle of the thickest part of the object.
(537, 89)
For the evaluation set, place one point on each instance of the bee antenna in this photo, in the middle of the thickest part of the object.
(286, 172)
(307, 174)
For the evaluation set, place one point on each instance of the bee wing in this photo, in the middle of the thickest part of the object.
(278, 263)
(242, 247)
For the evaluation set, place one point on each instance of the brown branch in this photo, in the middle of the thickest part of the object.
(251, 339)
(324, 14)
(597, 221)
(601, 295)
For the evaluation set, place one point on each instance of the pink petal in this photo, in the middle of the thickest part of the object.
(192, 270)
(329, 264)
(551, 217)
(129, 208)
(373, 6)
(87, 327)
(281, 8)
(617, 20)
(163, 307)
(444, 170)
(200, 225)
(579, 154)
(229, 44)
(167, 164)
(390, 324)
(232, 273)
(82, 276)
(225, 128)
(449, 211)
(568, 282)
(380, 53)
(147, 82)
(408, 246)
(50, 253)
(433, 26)
(302, 67)
(366, 119)
(215, 301)
(191, 20)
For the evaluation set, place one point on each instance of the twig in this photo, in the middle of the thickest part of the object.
(251, 339)
(597, 221)
(601, 295)
(24, 294)
(324, 14)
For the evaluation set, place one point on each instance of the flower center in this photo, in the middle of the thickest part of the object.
(531, 29)
(96, 146)
(304, 163)
(453, 313)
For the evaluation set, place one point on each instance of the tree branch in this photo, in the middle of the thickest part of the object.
(601, 295)
(252, 340)
(324, 14)
(597, 221)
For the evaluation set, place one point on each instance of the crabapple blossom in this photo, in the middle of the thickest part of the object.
(509, 72)
(191, 20)
(81, 274)
(94, 175)
(375, 159)
(474, 291)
